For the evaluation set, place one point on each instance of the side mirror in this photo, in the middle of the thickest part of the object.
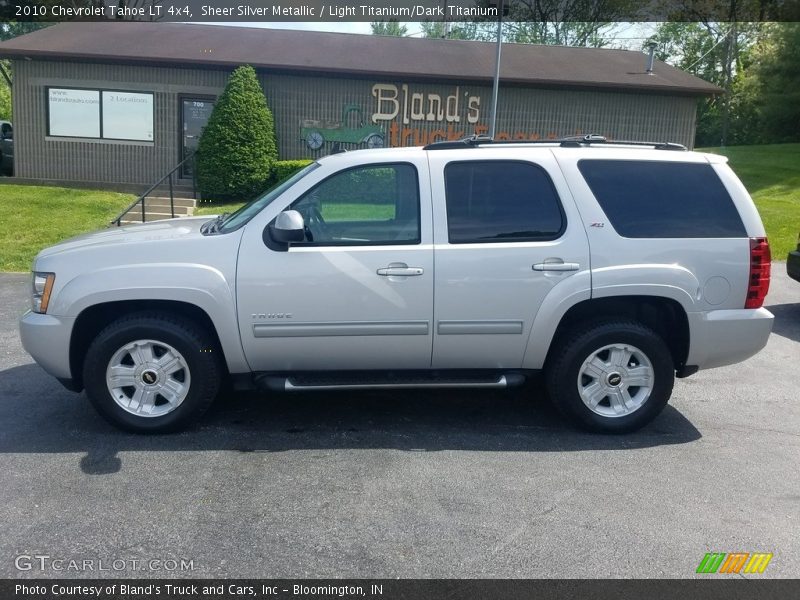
(288, 227)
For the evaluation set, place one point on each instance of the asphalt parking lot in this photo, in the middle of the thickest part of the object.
(411, 484)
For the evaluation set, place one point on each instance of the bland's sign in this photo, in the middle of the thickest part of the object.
(415, 118)
(392, 101)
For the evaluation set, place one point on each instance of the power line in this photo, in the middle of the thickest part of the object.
(709, 52)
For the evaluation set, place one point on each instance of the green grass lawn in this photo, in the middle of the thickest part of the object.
(217, 208)
(772, 176)
(36, 217)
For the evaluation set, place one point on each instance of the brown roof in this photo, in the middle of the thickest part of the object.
(360, 55)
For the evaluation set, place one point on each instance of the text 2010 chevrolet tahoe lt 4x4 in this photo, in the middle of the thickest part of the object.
(611, 268)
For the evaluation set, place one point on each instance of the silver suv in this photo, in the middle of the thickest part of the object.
(609, 267)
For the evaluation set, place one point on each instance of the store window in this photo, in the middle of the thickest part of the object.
(100, 114)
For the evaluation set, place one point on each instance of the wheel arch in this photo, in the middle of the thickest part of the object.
(93, 319)
(666, 316)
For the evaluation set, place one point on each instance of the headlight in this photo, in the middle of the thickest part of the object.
(42, 286)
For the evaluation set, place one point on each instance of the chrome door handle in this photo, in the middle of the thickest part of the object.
(400, 270)
(556, 266)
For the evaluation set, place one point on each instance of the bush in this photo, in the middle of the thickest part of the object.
(283, 169)
(238, 146)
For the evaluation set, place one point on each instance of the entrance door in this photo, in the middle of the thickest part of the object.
(195, 113)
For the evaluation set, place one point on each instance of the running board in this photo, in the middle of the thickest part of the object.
(290, 386)
(321, 383)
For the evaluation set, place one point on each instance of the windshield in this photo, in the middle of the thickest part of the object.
(252, 208)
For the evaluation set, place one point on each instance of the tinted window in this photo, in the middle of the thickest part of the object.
(375, 204)
(644, 199)
(494, 201)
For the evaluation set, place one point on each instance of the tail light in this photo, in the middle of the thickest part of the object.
(758, 285)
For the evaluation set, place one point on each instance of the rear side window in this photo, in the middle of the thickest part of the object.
(496, 201)
(645, 199)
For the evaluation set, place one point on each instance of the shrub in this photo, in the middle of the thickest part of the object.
(283, 169)
(238, 146)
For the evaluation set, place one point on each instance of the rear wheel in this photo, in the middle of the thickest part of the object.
(611, 376)
(152, 373)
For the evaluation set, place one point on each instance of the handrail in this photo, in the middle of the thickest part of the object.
(191, 157)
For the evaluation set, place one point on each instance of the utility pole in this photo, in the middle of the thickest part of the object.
(495, 89)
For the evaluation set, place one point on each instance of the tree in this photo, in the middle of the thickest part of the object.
(238, 147)
(5, 101)
(770, 89)
(388, 28)
(720, 54)
(564, 22)
(458, 30)
(14, 29)
(555, 22)
(10, 30)
(562, 33)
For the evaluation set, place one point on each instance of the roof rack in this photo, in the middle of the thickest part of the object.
(474, 141)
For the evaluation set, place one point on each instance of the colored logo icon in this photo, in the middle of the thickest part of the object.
(734, 562)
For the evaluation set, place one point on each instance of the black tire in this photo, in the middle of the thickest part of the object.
(567, 358)
(196, 347)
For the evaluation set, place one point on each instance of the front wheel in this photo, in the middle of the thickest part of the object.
(151, 372)
(611, 376)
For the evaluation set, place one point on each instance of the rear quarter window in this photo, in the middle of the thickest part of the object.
(647, 199)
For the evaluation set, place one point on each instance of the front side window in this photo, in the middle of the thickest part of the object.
(374, 204)
(501, 201)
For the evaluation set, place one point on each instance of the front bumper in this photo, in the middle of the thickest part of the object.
(46, 339)
(793, 264)
(726, 337)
